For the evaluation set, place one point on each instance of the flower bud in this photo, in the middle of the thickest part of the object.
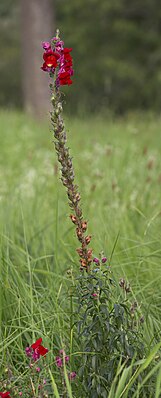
(88, 239)
(53, 99)
(59, 362)
(62, 352)
(96, 260)
(74, 219)
(59, 107)
(83, 262)
(72, 375)
(89, 252)
(80, 251)
(38, 369)
(95, 295)
(84, 226)
(28, 351)
(57, 146)
(57, 112)
(79, 234)
(76, 198)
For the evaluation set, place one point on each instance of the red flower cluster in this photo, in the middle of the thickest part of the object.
(51, 60)
(36, 350)
(66, 68)
(39, 348)
(5, 394)
(56, 56)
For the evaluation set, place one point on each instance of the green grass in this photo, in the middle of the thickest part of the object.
(118, 170)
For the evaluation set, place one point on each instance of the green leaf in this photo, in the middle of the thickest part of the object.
(158, 385)
(122, 381)
(54, 385)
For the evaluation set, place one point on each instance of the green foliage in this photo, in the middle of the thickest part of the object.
(119, 176)
(108, 332)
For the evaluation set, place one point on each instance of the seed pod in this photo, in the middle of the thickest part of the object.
(89, 252)
(64, 181)
(80, 251)
(88, 239)
(70, 195)
(79, 234)
(79, 212)
(83, 262)
(84, 226)
(74, 219)
(76, 197)
(69, 162)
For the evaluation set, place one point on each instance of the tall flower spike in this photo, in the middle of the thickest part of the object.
(59, 64)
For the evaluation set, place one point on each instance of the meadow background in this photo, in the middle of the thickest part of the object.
(112, 116)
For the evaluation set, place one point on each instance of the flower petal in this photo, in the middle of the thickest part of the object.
(36, 344)
(42, 350)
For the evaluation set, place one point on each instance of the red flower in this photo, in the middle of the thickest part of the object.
(45, 67)
(67, 57)
(51, 59)
(57, 57)
(64, 78)
(68, 64)
(67, 50)
(5, 394)
(38, 348)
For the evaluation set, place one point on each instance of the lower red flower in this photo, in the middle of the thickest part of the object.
(38, 348)
(64, 78)
(45, 68)
(5, 394)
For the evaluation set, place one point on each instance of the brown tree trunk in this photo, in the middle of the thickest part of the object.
(37, 26)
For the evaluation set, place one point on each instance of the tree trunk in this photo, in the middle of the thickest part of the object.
(37, 26)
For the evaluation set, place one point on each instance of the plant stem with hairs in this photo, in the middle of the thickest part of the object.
(68, 178)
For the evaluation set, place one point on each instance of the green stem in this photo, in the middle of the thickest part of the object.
(71, 330)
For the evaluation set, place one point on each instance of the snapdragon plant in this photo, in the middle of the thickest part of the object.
(108, 323)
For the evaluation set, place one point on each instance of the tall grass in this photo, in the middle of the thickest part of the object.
(118, 168)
